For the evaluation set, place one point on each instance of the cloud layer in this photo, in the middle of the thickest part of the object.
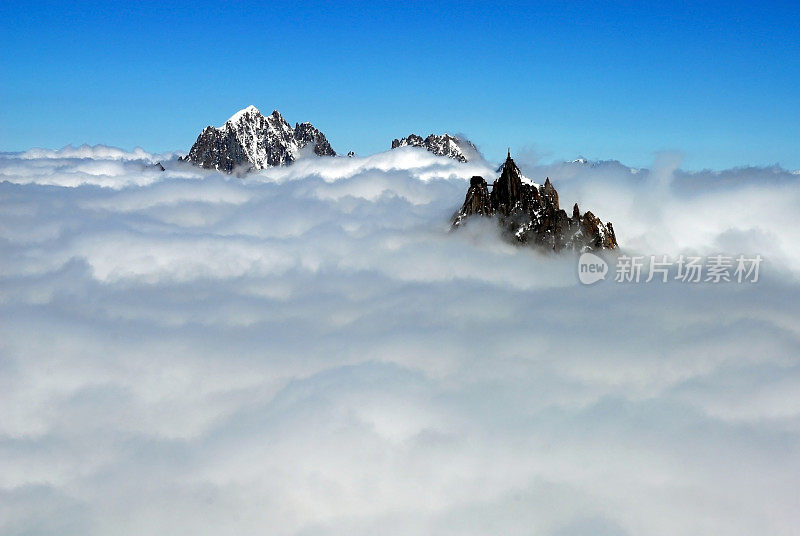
(308, 350)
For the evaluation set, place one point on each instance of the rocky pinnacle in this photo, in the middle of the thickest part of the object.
(529, 213)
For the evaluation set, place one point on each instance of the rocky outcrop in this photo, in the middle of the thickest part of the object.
(251, 140)
(478, 200)
(305, 134)
(529, 213)
(445, 145)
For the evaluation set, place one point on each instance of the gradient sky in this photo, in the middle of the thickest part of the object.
(718, 82)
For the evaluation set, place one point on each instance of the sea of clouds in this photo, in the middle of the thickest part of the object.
(309, 351)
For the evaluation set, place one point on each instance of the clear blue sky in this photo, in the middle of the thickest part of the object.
(719, 82)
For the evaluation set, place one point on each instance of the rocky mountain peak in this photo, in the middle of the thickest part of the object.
(453, 147)
(529, 213)
(248, 113)
(250, 139)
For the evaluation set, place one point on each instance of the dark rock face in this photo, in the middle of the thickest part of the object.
(254, 141)
(411, 141)
(529, 213)
(478, 199)
(306, 134)
(217, 149)
(444, 145)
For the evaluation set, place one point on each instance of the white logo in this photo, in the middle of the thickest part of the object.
(591, 268)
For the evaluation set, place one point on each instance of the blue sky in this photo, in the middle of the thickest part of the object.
(717, 82)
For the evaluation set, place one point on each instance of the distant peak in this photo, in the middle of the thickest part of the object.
(249, 110)
(455, 147)
(250, 139)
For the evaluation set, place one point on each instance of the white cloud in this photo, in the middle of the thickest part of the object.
(308, 350)
(94, 152)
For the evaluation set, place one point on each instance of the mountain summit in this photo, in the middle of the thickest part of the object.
(445, 145)
(529, 213)
(256, 141)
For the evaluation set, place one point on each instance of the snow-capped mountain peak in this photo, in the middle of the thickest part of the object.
(251, 139)
(453, 147)
(235, 118)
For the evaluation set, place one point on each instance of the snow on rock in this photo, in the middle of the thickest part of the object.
(252, 140)
(445, 145)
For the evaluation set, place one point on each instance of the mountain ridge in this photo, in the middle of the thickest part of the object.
(455, 147)
(253, 140)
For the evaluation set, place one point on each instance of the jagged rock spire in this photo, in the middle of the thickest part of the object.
(529, 213)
